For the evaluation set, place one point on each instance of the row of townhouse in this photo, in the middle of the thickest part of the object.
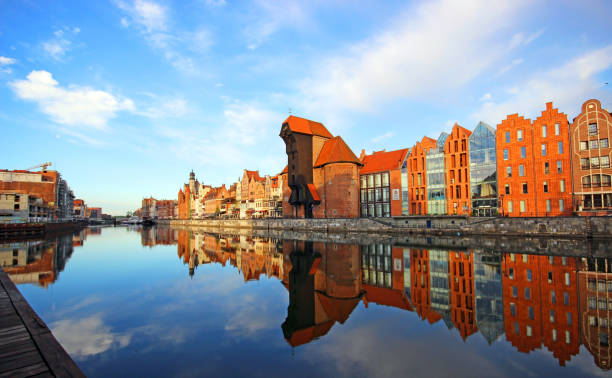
(252, 196)
(544, 167)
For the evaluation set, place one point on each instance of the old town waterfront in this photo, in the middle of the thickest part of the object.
(196, 301)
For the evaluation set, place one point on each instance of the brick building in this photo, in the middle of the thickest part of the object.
(457, 166)
(590, 134)
(515, 173)
(323, 172)
(417, 179)
(462, 294)
(381, 183)
(552, 163)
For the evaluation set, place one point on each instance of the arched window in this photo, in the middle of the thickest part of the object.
(605, 181)
(586, 181)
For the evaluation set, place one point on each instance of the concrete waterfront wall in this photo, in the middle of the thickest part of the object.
(577, 227)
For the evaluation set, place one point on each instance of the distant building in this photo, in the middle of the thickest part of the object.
(381, 183)
(79, 208)
(19, 207)
(94, 213)
(323, 172)
(483, 171)
(590, 134)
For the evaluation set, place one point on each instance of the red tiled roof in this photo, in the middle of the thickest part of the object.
(338, 309)
(383, 161)
(251, 174)
(306, 335)
(387, 297)
(286, 170)
(313, 192)
(306, 126)
(335, 150)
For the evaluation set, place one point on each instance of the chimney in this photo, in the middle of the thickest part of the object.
(362, 155)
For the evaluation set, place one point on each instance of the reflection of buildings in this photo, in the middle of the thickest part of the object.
(324, 288)
(595, 288)
(38, 262)
(533, 299)
(152, 236)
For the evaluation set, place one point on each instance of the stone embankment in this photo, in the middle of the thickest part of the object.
(566, 227)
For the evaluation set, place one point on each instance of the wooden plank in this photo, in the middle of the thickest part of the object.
(26, 371)
(52, 355)
(43, 375)
(18, 349)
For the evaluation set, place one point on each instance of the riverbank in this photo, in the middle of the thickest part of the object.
(24, 231)
(567, 227)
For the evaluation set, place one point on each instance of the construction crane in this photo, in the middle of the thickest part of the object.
(43, 166)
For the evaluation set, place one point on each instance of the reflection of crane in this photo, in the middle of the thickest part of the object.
(43, 166)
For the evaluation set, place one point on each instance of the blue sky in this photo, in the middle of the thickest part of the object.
(126, 97)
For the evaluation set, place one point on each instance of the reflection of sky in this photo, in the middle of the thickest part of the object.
(121, 309)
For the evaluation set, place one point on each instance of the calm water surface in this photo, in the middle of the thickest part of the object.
(164, 302)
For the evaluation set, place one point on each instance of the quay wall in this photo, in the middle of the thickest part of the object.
(573, 227)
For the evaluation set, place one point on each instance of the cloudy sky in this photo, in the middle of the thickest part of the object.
(125, 97)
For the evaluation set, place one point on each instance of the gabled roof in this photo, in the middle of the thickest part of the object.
(253, 174)
(335, 150)
(462, 129)
(383, 161)
(306, 126)
(286, 170)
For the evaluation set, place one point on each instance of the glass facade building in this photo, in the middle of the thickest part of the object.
(436, 202)
(483, 171)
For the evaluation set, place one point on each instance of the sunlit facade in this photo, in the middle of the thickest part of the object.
(436, 202)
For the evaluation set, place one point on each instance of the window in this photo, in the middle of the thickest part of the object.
(605, 182)
(584, 145)
(507, 187)
(519, 135)
(419, 179)
(530, 312)
(567, 279)
(525, 188)
(584, 163)
(516, 328)
(594, 144)
(559, 166)
(510, 208)
(543, 148)
(523, 152)
(543, 131)
(521, 170)
(560, 147)
(561, 205)
(522, 206)
(551, 316)
(512, 309)
(586, 182)
(545, 186)
(514, 291)
(566, 298)
(592, 129)
(506, 154)
(548, 205)
(557, 129)
(568, 318)
(364, 182)
(546, 168)
(562, 186)
(554, 335)
(595, 162)
(385, 179)
(550, 276)
(553, 297)
(603, 143)
(507, 136)
(377, 180)
(511, 273)
(527, 293)
(508, 171)
(529, 330)
(604, 161)
(529, 275)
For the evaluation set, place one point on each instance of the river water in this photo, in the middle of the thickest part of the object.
(164, 302)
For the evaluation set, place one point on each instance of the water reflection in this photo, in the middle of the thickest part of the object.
(537, 301)
(40, 262)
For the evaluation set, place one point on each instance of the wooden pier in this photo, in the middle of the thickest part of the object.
(27, 346)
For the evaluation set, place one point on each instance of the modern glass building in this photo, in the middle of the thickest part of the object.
(436, 203)
(483, 171)
(440, 284)
(488, 287)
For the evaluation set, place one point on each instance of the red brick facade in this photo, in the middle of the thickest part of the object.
(457, 168)
(590, 135)
(417, 176)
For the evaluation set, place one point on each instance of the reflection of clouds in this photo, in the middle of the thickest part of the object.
(375, 350)
(88, 336)
(249, 320)
(585, 363)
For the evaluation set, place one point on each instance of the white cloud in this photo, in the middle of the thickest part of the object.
(170, 108)
(153, 21)
(60, 44)
(72, 105)
(382, 137)
(485, 97)
(4, 61)
(568, 85)
(514, 63)
(273, 15)
(522, 39)
(88, 336)
(436, 47)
